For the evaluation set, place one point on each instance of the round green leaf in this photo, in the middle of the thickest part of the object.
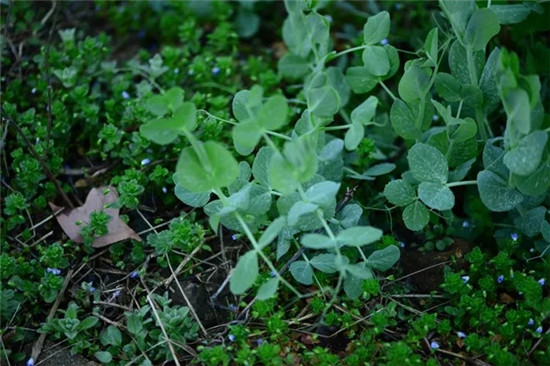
(399, 192)
(359, 235)
(245, 273)
(416, 216)
(436, 195)
(428, 164)
(268, 289)
(495, 193)
(302, 272)
(384, 259)
(317, 241)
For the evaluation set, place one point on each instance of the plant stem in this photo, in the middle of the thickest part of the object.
(216, 117)
(387, 90)
(349, 50)
(334, 128)
(464, 183)
(280, 135)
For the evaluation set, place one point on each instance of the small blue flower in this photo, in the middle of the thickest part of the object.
(435, 117)
(190, 72)
(500, 279)
(532, 250)
(234, 236)
(146, 161)
(92, 289)
(30, 362)
(539, 330)
(434, 345)
(398, 6)
(125, 95)
(117, 293)
(164, 190)
(33, 91)
(384, 42)
(465, 279)
(232, 307)
(215, 71)
(465, 224)
(231, 338)
(401, 244)
(514, 236)
(542, 282)
(134, 274)
(531, 322)
(461, 334)
(259, 341)
(53, 271)
(176, 71)
(272, 274)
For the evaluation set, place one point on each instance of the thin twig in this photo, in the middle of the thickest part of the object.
(37, 347)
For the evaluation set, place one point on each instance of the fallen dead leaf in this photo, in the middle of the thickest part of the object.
(95, 201)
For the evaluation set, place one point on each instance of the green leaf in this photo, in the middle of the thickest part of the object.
(536, 183)
(354, 135)
(530, 222)
(524, 158)
(245, 273)
(273, 114)
(103, 356)
(511, 13)
(350, 215)
(465, 130)
(317, 241)
(416, 216)
(219, 169)
(332, 150)
(352, 286)
(323, 102)
(379, 169)
(174, 98)
(458, 62)
(431, 46)
(376, 60)
(384, 259)
(261, 165)
(300, 208)
(272, 231)
(323, 194)
(360, 79)
(157, 105)
(166, 130)
(190, 198)
(268, 289)
(436, 195)
(447, 87)
(359, 270)
(414, 84)
(336, 79)
(458, 12)
(88, 323)
(302, 272)
(111, 336)
(495, 193)
(399, 192)
(293, 66)
(492, 159)
(364, 112)
(404, 121)
(246, 136)
(376, 28)
(428, 164)
(483, 26)
(488, 81)
(359, 235)
(134, 324)
(324, 263)
(246, 103)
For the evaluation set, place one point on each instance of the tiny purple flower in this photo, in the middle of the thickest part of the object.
(542, 282)
(401, 244)
(465, 224)
(514, 236)
(92, 289)
(231, 338)
(232, 307)
(434, 345)
(164, 190)
(53, 271)
(461, 334)
(384, 42)
(30, 362)
(116, 293)
(134, 274)
(539, 330)
(259, 341)
(215, 71)
(531, 322)
(146, 161)
(465, 279)
(500, 279)
(125, 95)
(234, 236)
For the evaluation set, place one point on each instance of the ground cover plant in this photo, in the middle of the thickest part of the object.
(298, 182)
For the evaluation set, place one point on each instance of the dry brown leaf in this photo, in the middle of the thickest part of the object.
(95, 201)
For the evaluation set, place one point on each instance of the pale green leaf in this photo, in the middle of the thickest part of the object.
(399, 192)
(384, 259)
(268, 289)
(416, 216)
(302, 272)
(359, 235)
(428, 164)
(495, 193)
(436, 195)
(244, 274)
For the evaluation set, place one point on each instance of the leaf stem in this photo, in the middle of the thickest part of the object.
(258, 250)
(216, 117)
(463, 183)
(334, 128)
(387, 90)
(349, 50)
(280, 135)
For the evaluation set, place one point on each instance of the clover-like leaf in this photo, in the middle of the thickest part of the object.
(245, 272)
(428, 164)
